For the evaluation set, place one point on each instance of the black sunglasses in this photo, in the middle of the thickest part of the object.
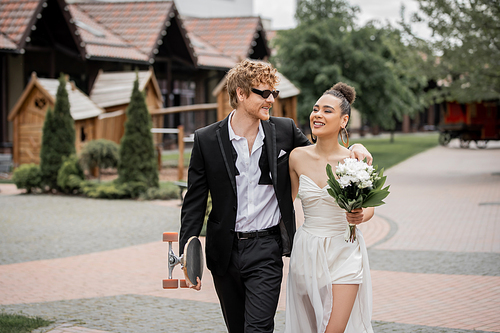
(265, 93)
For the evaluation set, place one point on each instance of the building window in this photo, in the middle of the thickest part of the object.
(82, 134)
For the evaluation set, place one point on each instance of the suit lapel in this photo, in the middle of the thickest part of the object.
(227, 151)
(270, 140)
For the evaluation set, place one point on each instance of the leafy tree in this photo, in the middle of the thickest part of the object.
(326, 47)
(58, 137)
(137, 153)
(466, 39)
(313, 10)
(387, 76)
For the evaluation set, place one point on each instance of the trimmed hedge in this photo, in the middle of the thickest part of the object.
(70, 175)
(27, 176)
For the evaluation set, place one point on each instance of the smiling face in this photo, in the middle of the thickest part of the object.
(326, 119)
(255, 105)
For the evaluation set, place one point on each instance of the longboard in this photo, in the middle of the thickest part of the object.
(191, 261)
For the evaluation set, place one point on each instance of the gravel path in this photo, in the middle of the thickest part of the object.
(35, 227)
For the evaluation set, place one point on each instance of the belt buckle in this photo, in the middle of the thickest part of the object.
(240, 235)
(248, 234)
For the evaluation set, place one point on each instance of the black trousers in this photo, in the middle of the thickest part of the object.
(249, 291)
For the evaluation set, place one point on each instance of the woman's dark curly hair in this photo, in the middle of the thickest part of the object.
(345, 93)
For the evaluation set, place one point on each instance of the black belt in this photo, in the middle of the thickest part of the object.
(258, 233)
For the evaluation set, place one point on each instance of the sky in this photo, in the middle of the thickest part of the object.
(281, 11)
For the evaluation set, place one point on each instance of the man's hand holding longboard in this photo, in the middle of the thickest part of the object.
(191, 262)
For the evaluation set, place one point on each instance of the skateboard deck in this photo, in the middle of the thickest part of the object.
(191, 261)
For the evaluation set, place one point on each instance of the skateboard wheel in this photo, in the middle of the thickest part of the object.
(183, 284)
(170, 284)
(170, 237)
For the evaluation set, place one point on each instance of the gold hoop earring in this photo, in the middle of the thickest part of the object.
(313, 139)
(346, 144)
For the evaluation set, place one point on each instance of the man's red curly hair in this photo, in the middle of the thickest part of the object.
(248, 74)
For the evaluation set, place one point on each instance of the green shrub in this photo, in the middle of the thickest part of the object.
(27, 176)
(100, 154)
(135, 189)
(167, 191)
(138, 162)
(109, 190)
(58, 137)
(70, 175)
(113, 190)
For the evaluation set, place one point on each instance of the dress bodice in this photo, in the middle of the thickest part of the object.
(322, 214)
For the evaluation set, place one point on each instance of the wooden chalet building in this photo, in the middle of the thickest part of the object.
(112, 92)
(189, 56)
(28, 117)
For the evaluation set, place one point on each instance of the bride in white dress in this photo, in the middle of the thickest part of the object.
(329, 285)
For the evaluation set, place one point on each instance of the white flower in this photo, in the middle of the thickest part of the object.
(345, 181)
(362, 175)
(356, 173)
(365, 184)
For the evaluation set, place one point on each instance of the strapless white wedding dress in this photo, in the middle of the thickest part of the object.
(321, 257)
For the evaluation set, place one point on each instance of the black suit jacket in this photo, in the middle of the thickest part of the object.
(212, 169)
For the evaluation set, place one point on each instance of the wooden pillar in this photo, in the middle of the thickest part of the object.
(4, 113)
(158, 155)
(180, 139)
(220, 105)
(16, 156)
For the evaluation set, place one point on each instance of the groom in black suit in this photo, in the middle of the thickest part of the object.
(242, 161)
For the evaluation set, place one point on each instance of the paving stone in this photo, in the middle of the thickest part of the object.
(439, 262)
(388, 327)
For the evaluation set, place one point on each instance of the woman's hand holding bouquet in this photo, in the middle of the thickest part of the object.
(357, 185)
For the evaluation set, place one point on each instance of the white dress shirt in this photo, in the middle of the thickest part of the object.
(257, 204)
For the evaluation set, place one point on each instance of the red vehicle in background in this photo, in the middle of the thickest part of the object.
(478, 122)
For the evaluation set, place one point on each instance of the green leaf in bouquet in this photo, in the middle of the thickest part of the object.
(351, 204)
(329, 171)
(334, 185)
(375, 198)
(359, 202)
(342, 203)
(332, 181)
(379, 183)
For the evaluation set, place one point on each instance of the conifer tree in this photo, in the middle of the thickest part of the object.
(137, 153)
(58, 138)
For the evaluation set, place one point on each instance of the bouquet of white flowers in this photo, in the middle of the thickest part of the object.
(359, 185)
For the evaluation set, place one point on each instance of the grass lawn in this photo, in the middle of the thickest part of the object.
(386, 154)
(15, 323)
(171, 159)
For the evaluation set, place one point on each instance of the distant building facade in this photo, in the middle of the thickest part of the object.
(215, 8)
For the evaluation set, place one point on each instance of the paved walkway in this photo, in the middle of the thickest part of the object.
(96, 265)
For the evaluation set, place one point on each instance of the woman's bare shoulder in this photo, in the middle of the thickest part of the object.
(345, 153)
(300, 152)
